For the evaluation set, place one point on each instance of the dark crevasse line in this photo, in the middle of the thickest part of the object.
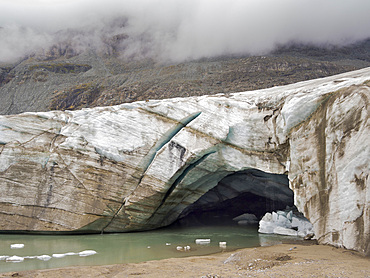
(180, 178)
(167, 137)
(148, 159)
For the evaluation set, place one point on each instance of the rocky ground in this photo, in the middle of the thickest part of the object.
(91, 79)
(286, 260)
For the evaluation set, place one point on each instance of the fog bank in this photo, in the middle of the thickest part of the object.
(179, 30)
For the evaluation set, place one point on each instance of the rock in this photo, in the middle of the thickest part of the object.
(309, 236)
(138, 166)
(247, 222)
(246, 219)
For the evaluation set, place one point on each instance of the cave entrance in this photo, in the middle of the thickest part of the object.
(250, 191)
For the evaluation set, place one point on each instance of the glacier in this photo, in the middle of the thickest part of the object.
(142, 165)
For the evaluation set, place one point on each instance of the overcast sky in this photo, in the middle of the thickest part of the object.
(182, 29)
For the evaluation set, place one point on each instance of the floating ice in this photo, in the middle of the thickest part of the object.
(82, 254)
(14, 259)
(87, 253)
(30, 257)
(17, 246)
(43, 257)
(222, 244)
(47, 257)
(203, 241)
(185, 248)
(59, 256)
(71, 254)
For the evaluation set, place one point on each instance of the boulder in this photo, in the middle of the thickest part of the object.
(246, 219)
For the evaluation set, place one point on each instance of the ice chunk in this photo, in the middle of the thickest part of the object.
(271, 224)
(222, 244)
(30, 257)
(87, 253)
(70, 254)
(266, 227)
(14, 259)
(185, 248)
(289, 215)
(275, 216)
(285, 231)
(59, 255)
(267, 217)
(203, 241)
(17, 246)
(43, 257)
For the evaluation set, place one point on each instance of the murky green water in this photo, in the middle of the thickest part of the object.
(127, 247)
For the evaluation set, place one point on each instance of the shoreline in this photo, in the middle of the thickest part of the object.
(283, 260)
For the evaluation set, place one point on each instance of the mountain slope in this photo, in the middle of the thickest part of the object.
(93, 79)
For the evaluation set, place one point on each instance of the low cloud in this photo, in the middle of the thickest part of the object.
(178, 30)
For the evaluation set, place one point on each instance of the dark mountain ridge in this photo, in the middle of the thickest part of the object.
(65, 78)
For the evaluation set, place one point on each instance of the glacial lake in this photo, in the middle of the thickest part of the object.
(129, 247)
